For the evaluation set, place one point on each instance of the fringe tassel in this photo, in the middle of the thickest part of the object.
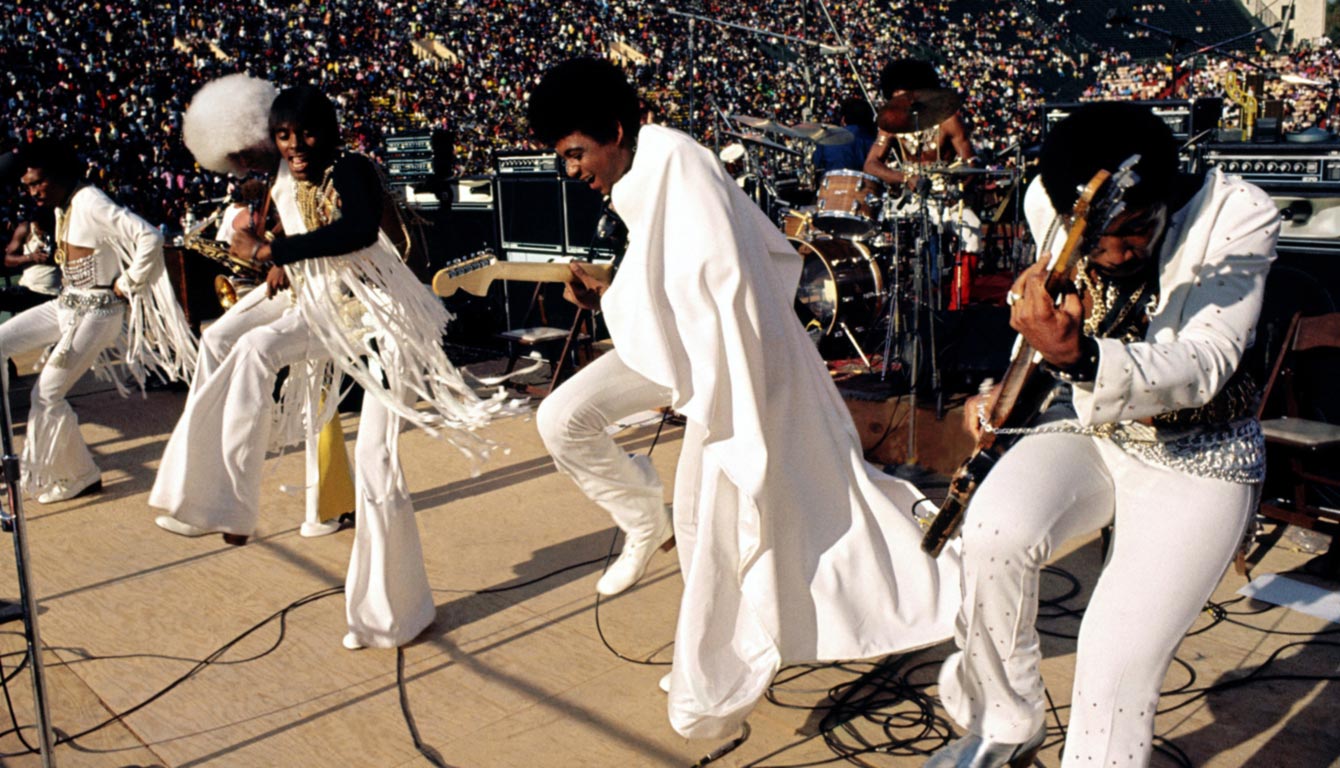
(373, 315)
(157, 335)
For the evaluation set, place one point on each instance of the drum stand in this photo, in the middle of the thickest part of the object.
(12, 521)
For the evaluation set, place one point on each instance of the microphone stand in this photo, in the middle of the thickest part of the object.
(845, 46)
(692, 17)
(12, 521)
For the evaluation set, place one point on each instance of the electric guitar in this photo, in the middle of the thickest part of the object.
(476, 273)
(1024, 389)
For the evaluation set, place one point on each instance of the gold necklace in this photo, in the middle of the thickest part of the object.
(62, 230)
(316, 202)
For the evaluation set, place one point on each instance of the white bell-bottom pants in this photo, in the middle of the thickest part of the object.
(54, 451)
(172, 486)
(1174, 535)
(216, 457)
(573, 422)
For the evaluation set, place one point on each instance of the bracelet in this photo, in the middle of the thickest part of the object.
(255, 249)
(1083, 370)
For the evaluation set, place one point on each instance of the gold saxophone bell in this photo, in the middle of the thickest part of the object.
(225, 290)
(228, 290)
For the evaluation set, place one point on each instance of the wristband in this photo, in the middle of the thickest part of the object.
(1083, 370)
(255, 249)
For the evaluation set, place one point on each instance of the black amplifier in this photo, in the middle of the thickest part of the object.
(1185, 117)
(526, 161)
(1299, 168)
(400, 165)
(418, 143)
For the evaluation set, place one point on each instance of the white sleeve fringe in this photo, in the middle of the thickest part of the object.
(157, 335)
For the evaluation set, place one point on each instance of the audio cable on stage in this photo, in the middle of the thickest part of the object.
(281, 615)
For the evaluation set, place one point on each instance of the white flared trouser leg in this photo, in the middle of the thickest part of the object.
(387, 598)
(1174, 536)
(251, 311)
(54, 450)
(573, 423)
(210, 475)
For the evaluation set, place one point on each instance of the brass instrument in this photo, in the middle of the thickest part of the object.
(246, 274)
(1240, 93)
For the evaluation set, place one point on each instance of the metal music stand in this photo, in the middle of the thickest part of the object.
(12, 520)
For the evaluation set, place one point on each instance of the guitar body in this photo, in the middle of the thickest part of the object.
(1029, 397)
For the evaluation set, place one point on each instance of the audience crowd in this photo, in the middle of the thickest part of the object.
(115, 75)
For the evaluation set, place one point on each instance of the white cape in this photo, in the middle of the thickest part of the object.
(802, 550)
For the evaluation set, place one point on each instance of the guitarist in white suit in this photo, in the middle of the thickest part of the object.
(1157, 435)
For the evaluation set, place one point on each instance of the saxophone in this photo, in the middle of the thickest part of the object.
(213, 250)
(245, 272)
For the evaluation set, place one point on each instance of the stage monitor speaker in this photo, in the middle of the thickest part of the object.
(530, 213)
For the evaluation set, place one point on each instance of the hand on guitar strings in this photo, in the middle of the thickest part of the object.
(585, 289)
(976, 408)
(1050, 327)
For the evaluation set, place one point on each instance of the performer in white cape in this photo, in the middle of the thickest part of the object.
(359, 309)
(227, 129)
(114, 280)
(792, 547)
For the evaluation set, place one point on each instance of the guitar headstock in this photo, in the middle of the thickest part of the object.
(470, 275)
(1100, 202)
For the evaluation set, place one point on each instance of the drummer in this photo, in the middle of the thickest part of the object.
(857, 118)
(905, 82)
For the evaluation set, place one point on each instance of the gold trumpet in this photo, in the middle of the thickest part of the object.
(246, 274)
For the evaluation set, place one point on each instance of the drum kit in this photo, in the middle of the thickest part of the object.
(875, 257)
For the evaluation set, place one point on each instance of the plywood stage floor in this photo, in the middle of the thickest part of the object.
(168, 651)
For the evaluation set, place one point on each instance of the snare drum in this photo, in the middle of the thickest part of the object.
(849, 202)
(840, 284)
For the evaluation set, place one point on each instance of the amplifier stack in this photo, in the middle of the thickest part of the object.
(541, 215)
(1302, 178)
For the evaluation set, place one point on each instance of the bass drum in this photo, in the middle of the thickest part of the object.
(840, 284)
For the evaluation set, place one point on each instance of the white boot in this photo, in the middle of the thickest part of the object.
(637, 552)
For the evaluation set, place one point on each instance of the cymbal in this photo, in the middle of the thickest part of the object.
(827, 135)
(754, 138)
(752, 122)
(917, 110)
(769, 125)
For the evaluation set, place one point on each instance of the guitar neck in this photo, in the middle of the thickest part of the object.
(541, 272)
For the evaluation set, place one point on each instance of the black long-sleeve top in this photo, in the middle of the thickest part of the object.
(359, 194)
